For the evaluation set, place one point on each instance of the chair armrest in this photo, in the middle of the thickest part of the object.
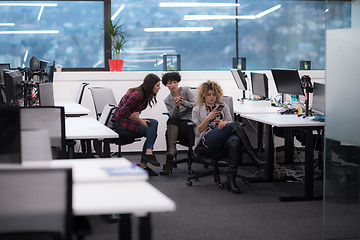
(190, 123)
(166, 113)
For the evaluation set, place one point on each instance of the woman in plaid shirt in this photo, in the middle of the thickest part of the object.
(126, 117)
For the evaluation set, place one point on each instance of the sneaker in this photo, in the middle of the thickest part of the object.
(151, 172)
(151, 159)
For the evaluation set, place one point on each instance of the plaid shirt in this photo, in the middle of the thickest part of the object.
(131, 102)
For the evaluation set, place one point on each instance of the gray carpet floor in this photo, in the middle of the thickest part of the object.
(206, 212)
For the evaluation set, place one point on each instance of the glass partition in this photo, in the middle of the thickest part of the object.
(342, 134)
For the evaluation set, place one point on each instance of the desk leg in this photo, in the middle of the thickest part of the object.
(260, 130)
(145, 228)
(289, 146)
(71, 150)
(269, 153)
(125, 227)
(106, 148)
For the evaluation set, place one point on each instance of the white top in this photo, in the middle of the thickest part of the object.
(96, 170)
(278, 120)
(73, 108)
(252, 107)
(87, 128)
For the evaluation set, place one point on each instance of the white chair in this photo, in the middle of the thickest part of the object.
(35, 145)
(102, 96)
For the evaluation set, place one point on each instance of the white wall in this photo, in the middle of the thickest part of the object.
(66, 85)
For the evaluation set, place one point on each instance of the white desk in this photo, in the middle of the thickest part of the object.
(88, 128)
(111, 195)
(93, 169)
(289, 122)
(252, 107)
(73, 109)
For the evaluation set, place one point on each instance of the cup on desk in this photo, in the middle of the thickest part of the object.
(172, 67)
(58, 68)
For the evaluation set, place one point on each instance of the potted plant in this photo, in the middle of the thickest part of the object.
(118, 40)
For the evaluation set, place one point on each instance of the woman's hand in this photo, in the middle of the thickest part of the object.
(144, 122)
(222, 124)
(213, 114)
(134, 115)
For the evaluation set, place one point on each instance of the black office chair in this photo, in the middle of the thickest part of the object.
(215, 158)
(81, 91)
(124, 137)
(36, 204)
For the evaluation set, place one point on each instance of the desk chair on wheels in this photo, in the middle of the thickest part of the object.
(216, 156)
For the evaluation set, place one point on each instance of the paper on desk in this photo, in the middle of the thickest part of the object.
(128, 170)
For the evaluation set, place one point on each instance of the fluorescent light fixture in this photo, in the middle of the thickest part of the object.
(31, 32)
(179, 29)
(160, 51)
(326, 10)
(197, 4)
(7, 24)
(117, 12)
(217, 17)
(270, 10)
(29, 4)
(26, 55)
(40, 13)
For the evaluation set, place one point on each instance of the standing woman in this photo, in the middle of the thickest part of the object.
(179, 104)
(215, 129)
(126, 117)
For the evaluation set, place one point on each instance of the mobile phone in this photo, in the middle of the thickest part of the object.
(219, 108)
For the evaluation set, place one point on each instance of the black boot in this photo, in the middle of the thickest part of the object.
(172, 136)
(234, 151)
(168, 166)
(240, 132)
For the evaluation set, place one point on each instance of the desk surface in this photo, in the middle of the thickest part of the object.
(92, 170)
(73, 108)
(254, 107)
(278, 120)
(87, 128)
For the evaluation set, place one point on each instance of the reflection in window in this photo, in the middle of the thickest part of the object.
(68, 32)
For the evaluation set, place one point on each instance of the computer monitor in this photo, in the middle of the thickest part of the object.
(318, 101)
(239, 78)
(2, 67)
(43, 64)
(49, 73)
(260, 85)
(46, 94)
(287, 81)
(34, 63)
(10, 147)
(13, 85)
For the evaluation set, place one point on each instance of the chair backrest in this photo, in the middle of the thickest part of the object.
(101, 97)
(106, 115)
(46, 94)
(35, 202)
(35, 145)
(50, 118)
(80, 93)
(228, 100)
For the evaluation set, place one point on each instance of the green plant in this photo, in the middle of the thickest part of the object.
(118, 37)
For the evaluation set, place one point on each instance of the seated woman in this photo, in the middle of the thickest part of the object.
(179, 104)
(126, 117)
(215, 130)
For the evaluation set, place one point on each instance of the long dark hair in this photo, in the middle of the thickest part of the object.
(147, 88)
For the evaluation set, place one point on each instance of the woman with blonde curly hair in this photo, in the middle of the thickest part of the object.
(215, 129)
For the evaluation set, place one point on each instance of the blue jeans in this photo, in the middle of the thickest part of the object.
(149, 132)
(218, 139)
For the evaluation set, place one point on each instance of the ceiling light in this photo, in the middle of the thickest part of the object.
(31, 32)
(29, 4)
(217, 17)
(26, 55)
(268, 11)
(197, 4)
(117, 12)
(178, 29)
(40, 13)
(7, 24)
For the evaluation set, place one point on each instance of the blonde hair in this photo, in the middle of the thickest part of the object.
(205, 87)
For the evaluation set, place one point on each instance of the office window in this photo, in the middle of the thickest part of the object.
(68, 32)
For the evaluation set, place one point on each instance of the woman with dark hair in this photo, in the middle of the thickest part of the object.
(215, 129)
(126, 117)
(179, 104)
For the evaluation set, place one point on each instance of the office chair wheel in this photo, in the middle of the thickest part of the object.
(191, 172)
(189, 183)
(197, 179)
(221, 186)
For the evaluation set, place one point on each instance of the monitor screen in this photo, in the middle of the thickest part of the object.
(10, 148)
(239, 78)
(34, 63)
(318, 102)
(13, 85)
(260, 85)
(287, 81)
(46, 94)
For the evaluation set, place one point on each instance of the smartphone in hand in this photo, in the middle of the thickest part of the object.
(219, 108)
